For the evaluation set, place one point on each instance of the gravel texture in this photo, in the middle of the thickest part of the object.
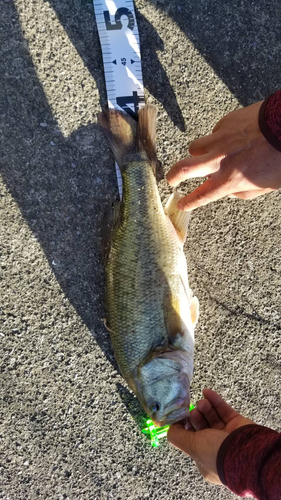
(70, 429)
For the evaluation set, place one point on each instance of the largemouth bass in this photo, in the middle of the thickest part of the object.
(151, 311)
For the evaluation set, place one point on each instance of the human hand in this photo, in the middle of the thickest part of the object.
(236, 159)
(211, 422)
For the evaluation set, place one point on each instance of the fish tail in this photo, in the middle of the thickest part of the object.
(127, 137)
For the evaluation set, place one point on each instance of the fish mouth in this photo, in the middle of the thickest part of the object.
(173, 416)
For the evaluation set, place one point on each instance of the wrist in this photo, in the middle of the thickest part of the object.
(270, 119)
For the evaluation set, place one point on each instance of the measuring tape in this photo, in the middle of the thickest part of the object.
(119, 38)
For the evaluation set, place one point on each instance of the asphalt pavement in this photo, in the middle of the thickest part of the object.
(70, 428)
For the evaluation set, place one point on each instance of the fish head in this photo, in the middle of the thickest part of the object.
(163, 386)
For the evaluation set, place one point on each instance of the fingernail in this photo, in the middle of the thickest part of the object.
(187, 424)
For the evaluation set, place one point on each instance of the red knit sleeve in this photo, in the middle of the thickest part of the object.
(270, 119)
(249, 462)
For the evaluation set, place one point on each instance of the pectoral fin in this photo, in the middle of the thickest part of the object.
(194, 310)
(178, 218)
(176, 328)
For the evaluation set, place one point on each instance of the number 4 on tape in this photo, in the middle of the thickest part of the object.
(119, 38)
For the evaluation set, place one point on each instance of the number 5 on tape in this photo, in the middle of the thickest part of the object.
(119, 38)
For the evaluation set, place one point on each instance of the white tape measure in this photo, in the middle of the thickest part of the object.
(119, 38)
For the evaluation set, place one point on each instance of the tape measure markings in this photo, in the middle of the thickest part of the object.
(119, 39)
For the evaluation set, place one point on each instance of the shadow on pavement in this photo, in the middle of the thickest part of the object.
(240, 40)
(133, 405)
(60, 184)
(239, 311)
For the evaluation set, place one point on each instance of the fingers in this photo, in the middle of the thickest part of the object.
(224, 411)
(193, 167)
(198, 420)
(219, 124)
(203, 145)
(205, 416)
(210, 190)
(249, 195)
(209, 414)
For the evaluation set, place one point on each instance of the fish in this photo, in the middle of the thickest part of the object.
(151, 311)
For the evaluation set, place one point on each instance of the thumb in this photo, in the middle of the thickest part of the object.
(211, 190)
(182, 438)
(202, 446)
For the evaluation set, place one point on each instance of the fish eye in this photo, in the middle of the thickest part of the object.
(154, 407)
